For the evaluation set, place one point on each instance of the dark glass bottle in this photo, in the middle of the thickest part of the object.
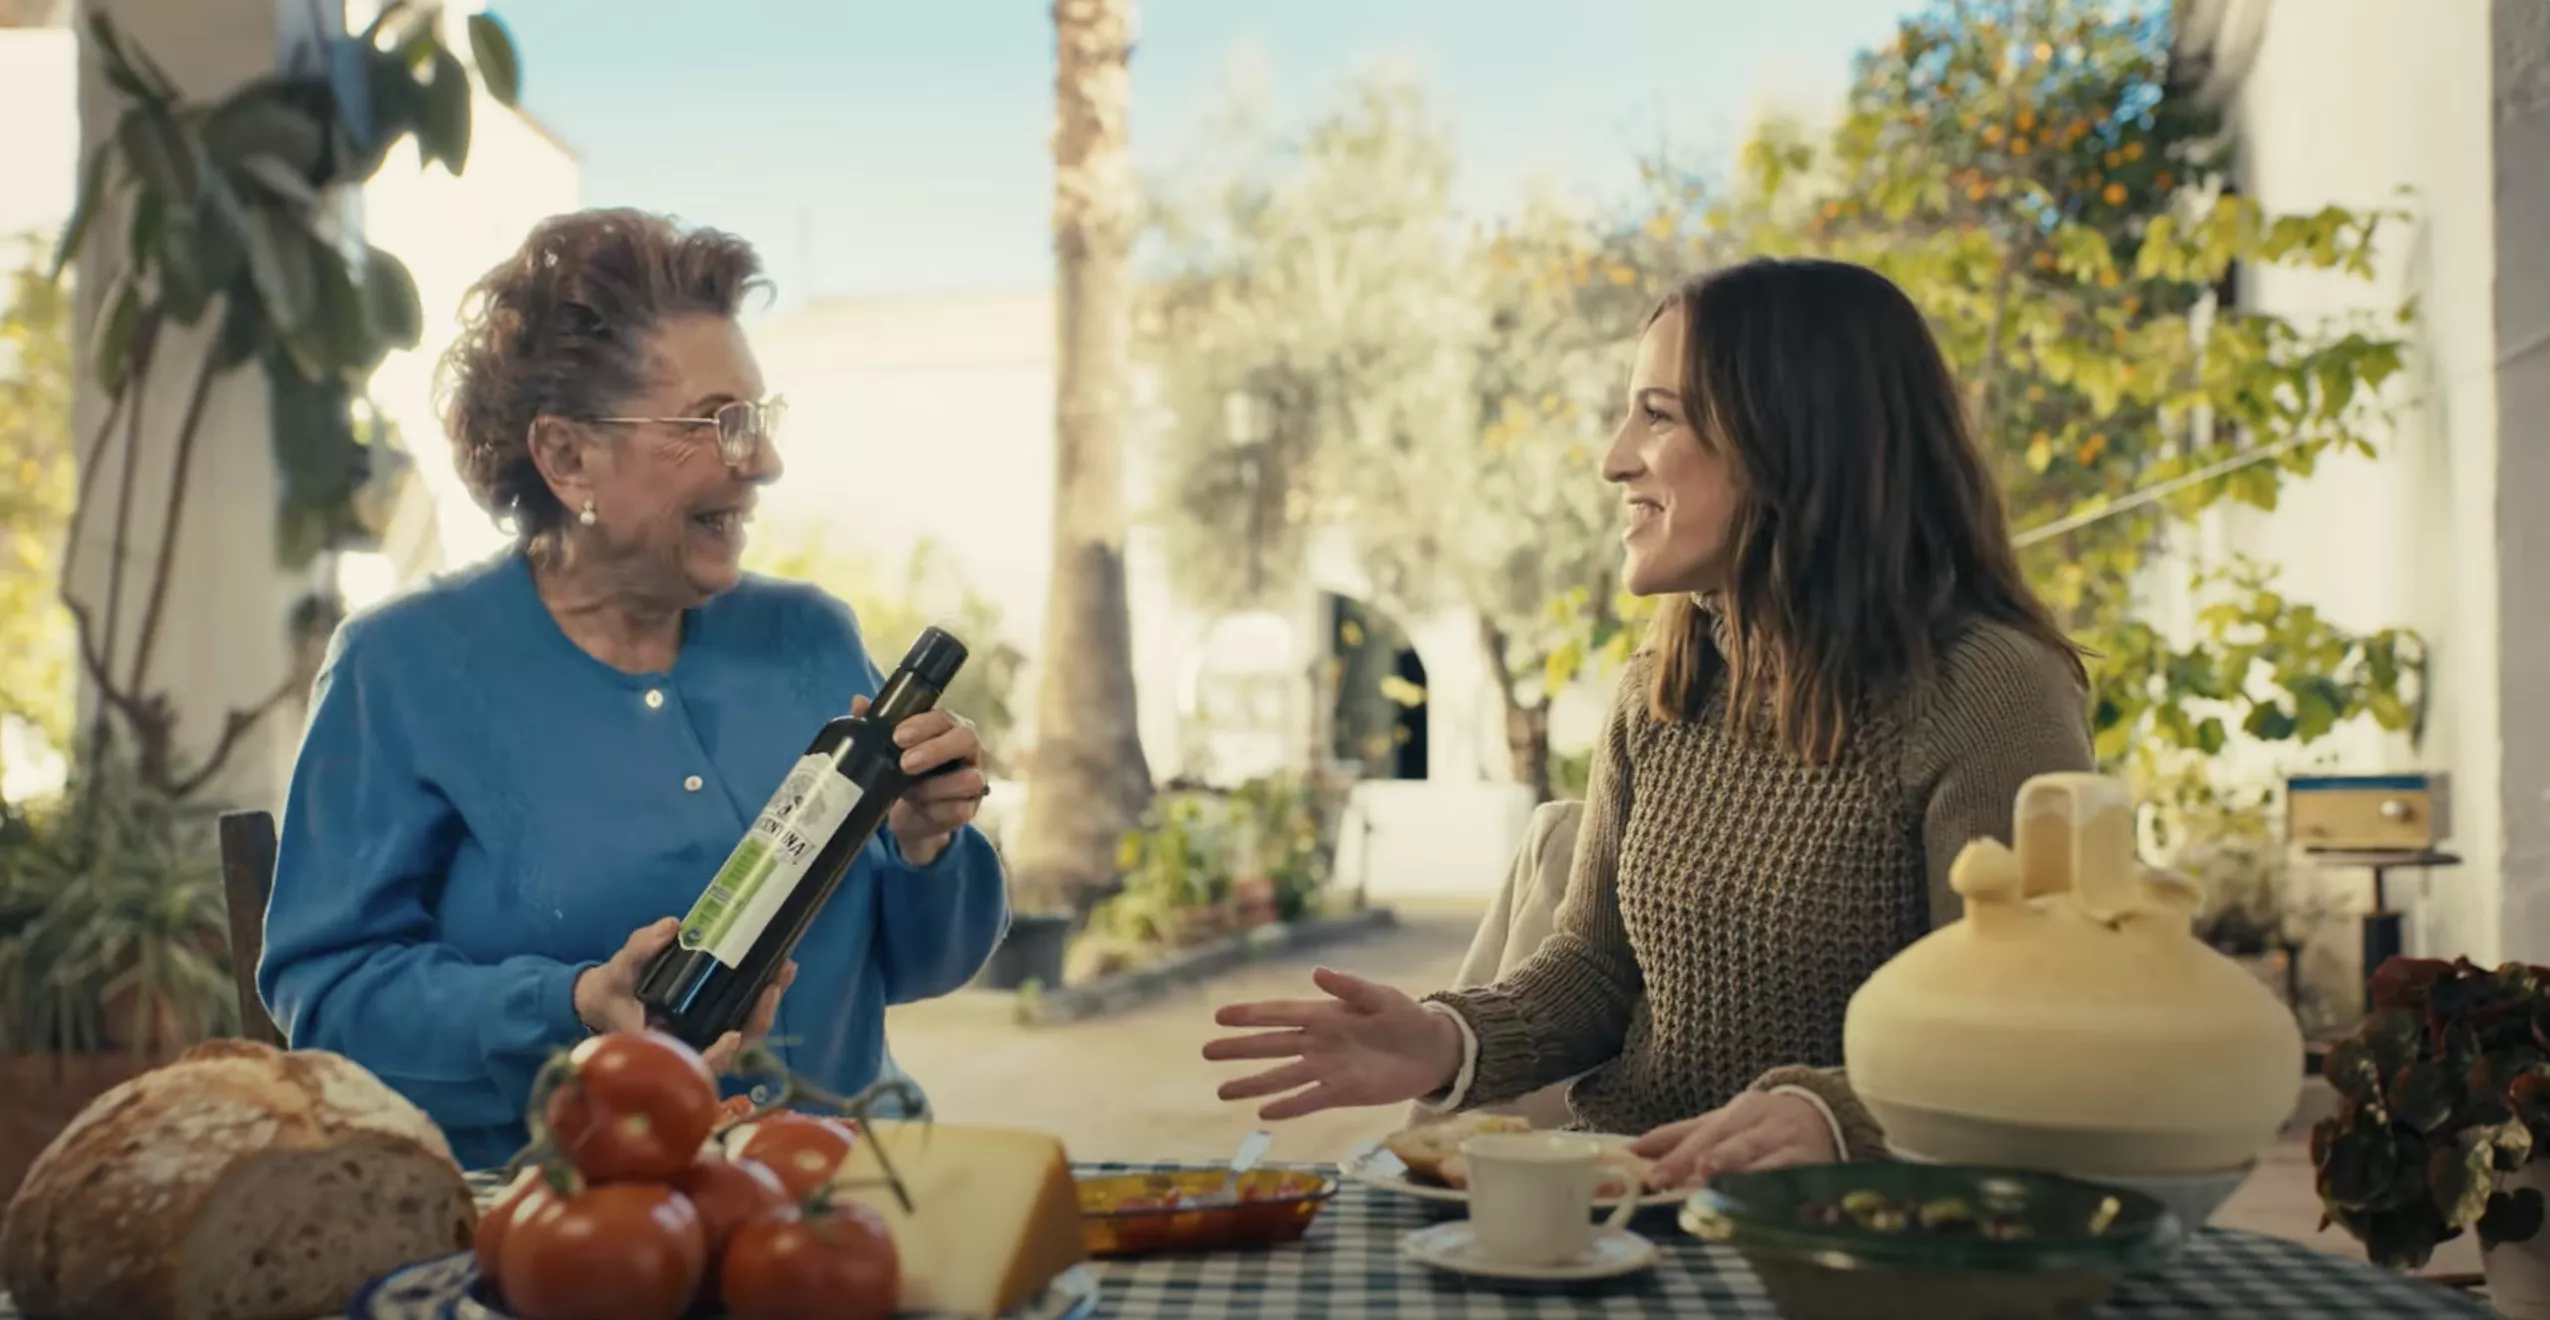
(746, 925)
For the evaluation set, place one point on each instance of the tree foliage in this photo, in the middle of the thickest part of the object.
(35, 499)
(894, 606)
(1337, 348)
(2025, 170)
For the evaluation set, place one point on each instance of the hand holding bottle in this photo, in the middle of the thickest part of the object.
(606, 996)
(933, 809)
(1366, 1044)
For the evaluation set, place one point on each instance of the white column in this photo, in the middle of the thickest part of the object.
(221, 643)
(2520, 105)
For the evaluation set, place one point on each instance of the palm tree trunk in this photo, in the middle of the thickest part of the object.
(1088, 782)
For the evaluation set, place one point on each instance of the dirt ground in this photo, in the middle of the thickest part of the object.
(1133, 1085)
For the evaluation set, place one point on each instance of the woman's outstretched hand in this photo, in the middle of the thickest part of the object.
(1366, 1044)
(1756, 1130)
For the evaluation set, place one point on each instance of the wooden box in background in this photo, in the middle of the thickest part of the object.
(2403, 813)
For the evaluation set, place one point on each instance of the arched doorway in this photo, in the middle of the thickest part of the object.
(1377, 692)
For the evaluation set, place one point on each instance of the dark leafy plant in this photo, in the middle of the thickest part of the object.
(2444, 1087)
(1289, 825)
(113, 934)
(231, 212)
(1174, 865)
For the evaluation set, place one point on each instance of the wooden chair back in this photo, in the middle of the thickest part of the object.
(247, 877)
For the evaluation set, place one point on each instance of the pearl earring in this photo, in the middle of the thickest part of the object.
(585, 515)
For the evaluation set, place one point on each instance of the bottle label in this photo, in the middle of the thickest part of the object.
(771, 862)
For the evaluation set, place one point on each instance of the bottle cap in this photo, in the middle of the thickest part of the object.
(935, 657)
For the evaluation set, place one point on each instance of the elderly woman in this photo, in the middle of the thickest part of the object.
(1847, 682)
(515, 780)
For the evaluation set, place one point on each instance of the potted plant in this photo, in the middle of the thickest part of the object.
(2443, 1095)
(114, 950)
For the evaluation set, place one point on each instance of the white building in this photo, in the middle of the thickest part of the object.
(932, 418)
(2347, 101)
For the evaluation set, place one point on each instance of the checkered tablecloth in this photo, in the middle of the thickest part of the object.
(1348, 1265)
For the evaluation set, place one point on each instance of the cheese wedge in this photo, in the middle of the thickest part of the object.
(995, 1215)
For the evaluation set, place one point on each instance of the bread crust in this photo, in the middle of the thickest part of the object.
(100, 1224)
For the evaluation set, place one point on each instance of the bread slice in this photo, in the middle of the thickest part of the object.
(1424, 1149)
(240, 1182)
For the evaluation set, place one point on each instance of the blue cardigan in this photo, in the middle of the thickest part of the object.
(481, 810)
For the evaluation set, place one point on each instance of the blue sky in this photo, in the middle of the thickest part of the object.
(879, 148)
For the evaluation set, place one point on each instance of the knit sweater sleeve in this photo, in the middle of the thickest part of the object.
(2003, 709)
(1567, 1007)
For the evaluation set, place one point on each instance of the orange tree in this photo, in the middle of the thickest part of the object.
(2025, 170)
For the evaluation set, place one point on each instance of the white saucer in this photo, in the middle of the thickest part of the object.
(1450, 1246)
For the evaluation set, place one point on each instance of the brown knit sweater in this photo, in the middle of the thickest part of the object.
(1728, 898)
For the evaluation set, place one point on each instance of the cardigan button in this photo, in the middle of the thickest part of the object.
(654, 699)
(691, 785)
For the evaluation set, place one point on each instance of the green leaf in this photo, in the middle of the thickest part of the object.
(243, 334)
(2358, 1161)
(2422, 1094)
(2459, 1177)
(84, 208)
(2509, 1145)
(499, 64)
(160, 154)
(126, 65)
(396, 312)
(262, 119)
(340, 332)
(2352, 1072)
(280, 273)
(113, 346)
(398, 108)
(185, 287)
(280, 179)
(444, 133)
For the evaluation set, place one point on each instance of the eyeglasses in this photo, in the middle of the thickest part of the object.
(743, 426)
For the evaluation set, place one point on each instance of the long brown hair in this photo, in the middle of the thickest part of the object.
(1866, 528)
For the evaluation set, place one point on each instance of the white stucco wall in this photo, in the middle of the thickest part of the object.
(39, 129)
(2348, 101)
(913, 418)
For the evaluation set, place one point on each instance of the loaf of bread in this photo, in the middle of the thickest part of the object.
(240, 1182)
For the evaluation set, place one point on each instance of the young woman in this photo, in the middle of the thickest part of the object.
(1847, 681)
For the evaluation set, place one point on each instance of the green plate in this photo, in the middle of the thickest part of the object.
(2047, 1223)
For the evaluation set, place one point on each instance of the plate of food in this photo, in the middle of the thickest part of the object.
(1425, 1162)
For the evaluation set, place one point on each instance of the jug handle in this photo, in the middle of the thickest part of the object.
(2074, 834)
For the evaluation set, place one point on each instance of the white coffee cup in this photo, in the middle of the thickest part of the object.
(1529, 1193)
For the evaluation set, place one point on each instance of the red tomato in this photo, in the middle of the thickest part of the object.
(728, 1194)
(637, 1107)
(525, 1196)
(803, 1149)
(621, 1251)
(839, 1265)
